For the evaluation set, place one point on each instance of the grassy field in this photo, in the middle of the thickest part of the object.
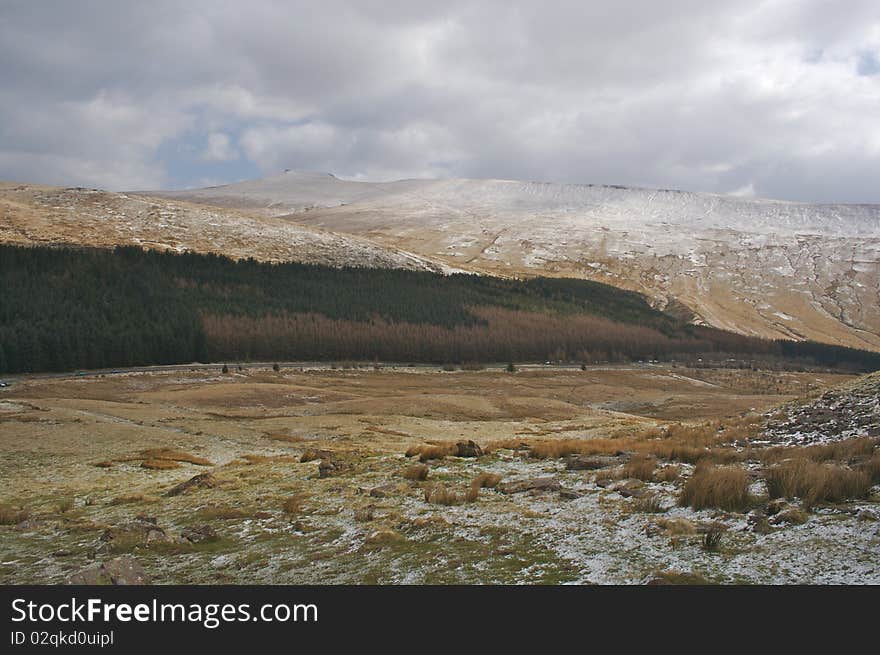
(608, 475)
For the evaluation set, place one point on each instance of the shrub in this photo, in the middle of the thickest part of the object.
(815, 483)
(723, 487)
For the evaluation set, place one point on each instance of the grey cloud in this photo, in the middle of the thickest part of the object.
(776, 97)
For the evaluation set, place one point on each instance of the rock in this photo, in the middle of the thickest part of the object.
(588, 463)
(867, 515)
(792, 515)
(777, 505)
(569, 494)
(200, 481)
(118, 571)
(326, 468)
(134, 533)
(468, 449)
(28, 524)
(312, 455)
(536, 484)
(199, 533)
(629, 488)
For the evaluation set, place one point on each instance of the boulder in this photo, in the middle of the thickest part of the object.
(468, 449)
(200, 481)
(589, 463)
(629, 488)
(199, 533)
(383, 491)
(118, 571)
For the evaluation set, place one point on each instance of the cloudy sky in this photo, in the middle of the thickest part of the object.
(778, 98)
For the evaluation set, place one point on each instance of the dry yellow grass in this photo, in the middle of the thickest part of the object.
(724, 487)
(440, 495)
(174, 455)
(293, 505)
(221, 512)
(416, 472)
(159, 464)
(815, 483)
(486, 480)
(427, 452)
(640, 466)
(10, 515)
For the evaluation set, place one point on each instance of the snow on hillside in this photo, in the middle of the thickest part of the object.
(762, 267)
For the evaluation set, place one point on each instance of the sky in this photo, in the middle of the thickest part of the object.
(777, 99)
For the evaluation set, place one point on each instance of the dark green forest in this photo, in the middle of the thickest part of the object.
(63, 309)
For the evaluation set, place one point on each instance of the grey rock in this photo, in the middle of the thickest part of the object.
(123, 570)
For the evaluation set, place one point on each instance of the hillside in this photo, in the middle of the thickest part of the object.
(842, 412)
(759, 267)
(40, 215)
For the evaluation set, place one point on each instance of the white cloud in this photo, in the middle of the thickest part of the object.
(219, 148)
(771, 97)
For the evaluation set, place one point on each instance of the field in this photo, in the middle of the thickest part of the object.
(366, 475)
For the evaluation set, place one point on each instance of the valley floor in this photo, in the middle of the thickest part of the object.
(303, 478)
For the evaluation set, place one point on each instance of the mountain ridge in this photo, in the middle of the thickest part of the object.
(762, 267)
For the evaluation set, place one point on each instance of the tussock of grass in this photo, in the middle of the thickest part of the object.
(417, 472)
(871, 468)
(133, 499)
(10, 515)
(293, 506)
(174, 455)
(711, 542)
(268, 459)
(724, 487)
(669, 473)
(640, 467)
(440, 495)
(487, 480)
(815, 483)
(427, 452)
(159, 464)
(650, 504)
(279, 436)
(848, 450)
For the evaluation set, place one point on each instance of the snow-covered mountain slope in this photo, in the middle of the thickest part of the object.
(762, 267)
(31, 214)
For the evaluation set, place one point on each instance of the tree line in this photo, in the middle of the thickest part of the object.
(64, 308)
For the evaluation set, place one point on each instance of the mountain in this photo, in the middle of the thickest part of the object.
(759, 267)
(41, 215)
